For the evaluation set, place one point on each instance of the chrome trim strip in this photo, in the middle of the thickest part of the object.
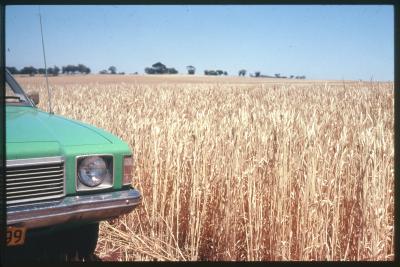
(59, 172)
(42, 177)
(12, 183)
(10, 172)
(24, 202)
(74, 208)
(65, 178)
(35, 189)
(34, 161)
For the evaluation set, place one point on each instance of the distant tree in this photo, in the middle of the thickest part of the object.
(172, 71)
(191, 70)
(277, 75)
(220, 72)
(291, 76)
(83, 69)
(242, 72)
(56, 71)
(70, 69)
(41, 71)
(212, 72)
(121, 73)
(13, 70)
(51, 71)
(112, 69)
(159, 65)
(29, 70)
(159, 68)
(257, 74)
(74, 69)
(103, 72)
(225, 73)
(149, 71)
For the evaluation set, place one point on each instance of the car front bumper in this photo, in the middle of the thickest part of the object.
(96, 207)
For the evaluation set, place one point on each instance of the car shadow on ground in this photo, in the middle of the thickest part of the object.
(23, 255)
(39, 253)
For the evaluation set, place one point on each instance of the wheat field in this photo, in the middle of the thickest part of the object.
(244, 169)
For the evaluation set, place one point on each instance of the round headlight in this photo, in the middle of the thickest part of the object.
(92, 171)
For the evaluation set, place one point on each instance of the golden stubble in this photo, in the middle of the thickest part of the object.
(245, 169)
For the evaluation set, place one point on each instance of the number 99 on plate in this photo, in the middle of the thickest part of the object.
(15, 236)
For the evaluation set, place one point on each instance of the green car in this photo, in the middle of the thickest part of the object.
(62, 176)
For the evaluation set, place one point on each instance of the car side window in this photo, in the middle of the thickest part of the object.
(13, 97)
(9, 91)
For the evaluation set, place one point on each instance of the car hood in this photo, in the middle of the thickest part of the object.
(27, 125)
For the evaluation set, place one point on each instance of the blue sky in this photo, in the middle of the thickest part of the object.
(321, 42)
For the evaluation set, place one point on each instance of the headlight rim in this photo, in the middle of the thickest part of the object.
(106, 183)
(88, 161)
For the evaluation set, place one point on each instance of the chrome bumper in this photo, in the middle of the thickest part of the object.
(95, 207)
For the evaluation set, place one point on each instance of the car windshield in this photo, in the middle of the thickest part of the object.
(14, 94)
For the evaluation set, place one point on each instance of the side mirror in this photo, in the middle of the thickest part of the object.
(34, 96)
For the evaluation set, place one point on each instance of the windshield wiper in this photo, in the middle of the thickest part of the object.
(14, 97)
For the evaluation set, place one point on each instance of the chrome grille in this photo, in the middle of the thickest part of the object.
(29, 180)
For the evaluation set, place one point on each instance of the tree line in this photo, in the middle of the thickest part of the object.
(215, 72)
(276, 75)
(156, 68)
(53, 71)
(160, 68)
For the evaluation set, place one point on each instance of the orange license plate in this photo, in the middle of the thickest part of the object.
(15, 236)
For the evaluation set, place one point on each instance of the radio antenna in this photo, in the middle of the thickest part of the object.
(45, 65)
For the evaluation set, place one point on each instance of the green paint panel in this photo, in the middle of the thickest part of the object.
(27, 124)
(31, 133)
(32, 150)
